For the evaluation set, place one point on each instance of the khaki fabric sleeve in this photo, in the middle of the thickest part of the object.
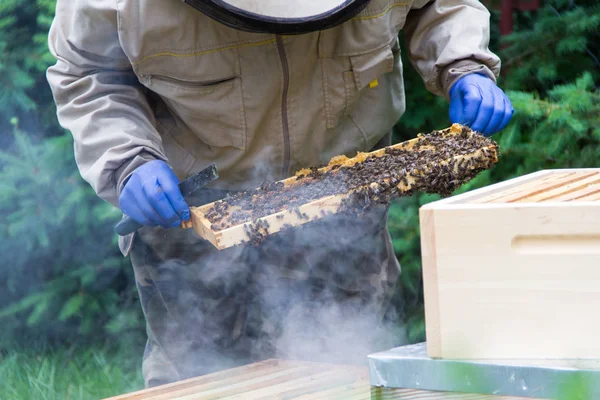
(98, 97)
(448, 39)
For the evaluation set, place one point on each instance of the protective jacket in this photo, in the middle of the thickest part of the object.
(137, 80)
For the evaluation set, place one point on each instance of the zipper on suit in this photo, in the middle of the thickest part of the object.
(284, 109)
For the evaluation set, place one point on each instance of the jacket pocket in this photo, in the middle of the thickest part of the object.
(347, 78)
(213, 110)
(383, 104)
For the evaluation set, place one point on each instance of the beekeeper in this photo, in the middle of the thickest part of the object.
(155, 90)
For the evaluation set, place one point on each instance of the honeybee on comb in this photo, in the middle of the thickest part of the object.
(438, 162)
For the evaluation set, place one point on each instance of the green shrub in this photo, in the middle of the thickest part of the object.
(62, 270)
(63, 277)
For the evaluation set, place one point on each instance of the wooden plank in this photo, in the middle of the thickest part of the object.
(527, 192)
(564, 189)
(357, 390)
(267, 379)
(492, 192)
(469, 197)
(580, 194)
(317, 382)
(260, 368)
(360, 390)
(492, 195)
(317, 209)
(549, 182)
(275, 387)
(590, 197)
(239, 384)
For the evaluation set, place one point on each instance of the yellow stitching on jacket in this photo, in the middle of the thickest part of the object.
(381, 14)
(199, 53)
(236, 46)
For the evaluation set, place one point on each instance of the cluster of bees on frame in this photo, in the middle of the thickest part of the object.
(438, 163)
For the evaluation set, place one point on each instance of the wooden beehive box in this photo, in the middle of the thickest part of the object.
(512, 270)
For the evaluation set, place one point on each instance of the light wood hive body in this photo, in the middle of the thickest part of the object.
(512, 270)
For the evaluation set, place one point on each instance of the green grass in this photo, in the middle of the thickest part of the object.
(69, 374)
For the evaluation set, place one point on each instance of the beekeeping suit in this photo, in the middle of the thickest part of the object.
(154, 90)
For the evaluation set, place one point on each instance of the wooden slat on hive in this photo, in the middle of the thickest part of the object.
(359, 390)
(567, 189)
(537, 180)
(317, 209)
(474, 196)
(259, 368)
(267, 379)
(334, 380)
(544, 183)
(527, 192)
(232, 387)
(591, 197)
(590, 190)
(484, 197)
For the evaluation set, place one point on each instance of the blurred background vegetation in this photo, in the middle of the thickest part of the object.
(68, 303)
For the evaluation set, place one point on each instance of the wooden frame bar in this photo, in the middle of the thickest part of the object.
(319, 208)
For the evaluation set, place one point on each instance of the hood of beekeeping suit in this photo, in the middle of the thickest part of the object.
(279, 16)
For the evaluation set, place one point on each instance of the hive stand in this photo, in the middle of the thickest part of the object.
(398, 370)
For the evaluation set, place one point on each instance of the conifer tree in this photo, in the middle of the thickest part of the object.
(61, 272)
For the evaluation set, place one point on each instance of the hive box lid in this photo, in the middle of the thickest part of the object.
(410, 367)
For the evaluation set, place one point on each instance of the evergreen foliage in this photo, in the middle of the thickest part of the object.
(24, 92)
(554, 46)
(62, 272)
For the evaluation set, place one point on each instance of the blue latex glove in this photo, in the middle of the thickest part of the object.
(152, 198)
(476, 101)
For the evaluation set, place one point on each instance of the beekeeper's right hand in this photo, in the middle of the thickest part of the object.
(151, 196)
